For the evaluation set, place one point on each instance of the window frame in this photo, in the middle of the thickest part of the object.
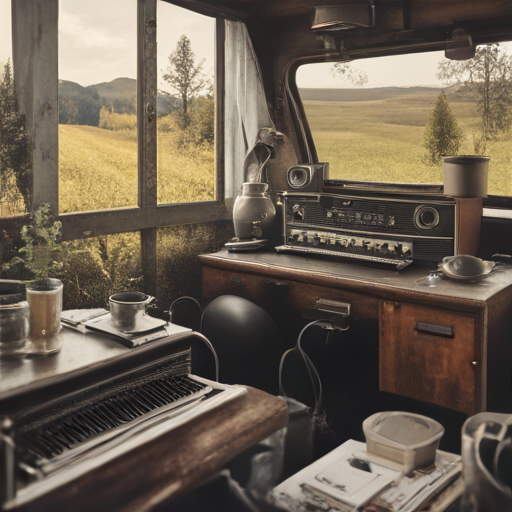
(36, 63)
(296, 114)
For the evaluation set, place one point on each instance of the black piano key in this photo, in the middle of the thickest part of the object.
(106, 416)
(150, 404)
(172, 386)
(71, 437)
(96, 420)
(60, 437)
(80, 430)
(128, 405)
(160, 393)
(120, 415)
(123, 411)
(170, 390)
(81, 420)
(147, 391)
(139, 402)
(52, 445)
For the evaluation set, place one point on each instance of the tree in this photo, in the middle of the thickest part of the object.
(356, 77)
(443, 135)
(15, 154)
(184, 76)
(488, 77)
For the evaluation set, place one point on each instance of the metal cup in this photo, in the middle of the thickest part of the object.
(126, 308)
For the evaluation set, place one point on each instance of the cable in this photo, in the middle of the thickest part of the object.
(313, 373)
(212, 350)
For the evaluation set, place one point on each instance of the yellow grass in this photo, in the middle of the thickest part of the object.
(98, 169)
(381, 140)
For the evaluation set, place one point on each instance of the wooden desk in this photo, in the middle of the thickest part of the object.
(469, 372)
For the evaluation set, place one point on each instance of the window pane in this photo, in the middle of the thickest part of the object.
(387, 128)
(97, 104)
(185, 107)
(179, 269)
(105, 265)
(15, 172)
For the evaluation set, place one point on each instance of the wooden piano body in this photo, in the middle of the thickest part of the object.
(135, 464)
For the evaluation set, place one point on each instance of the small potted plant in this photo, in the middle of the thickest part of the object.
(43, 256)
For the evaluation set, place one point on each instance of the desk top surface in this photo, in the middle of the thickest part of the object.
(358, 276)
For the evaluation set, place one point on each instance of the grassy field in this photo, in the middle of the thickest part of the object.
(381, 140)
(375, 139)
(98, 169)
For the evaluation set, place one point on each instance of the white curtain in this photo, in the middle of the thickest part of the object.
(246, 112)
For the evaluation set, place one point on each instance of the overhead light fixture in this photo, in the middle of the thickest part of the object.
(460, 47)
(343, 17)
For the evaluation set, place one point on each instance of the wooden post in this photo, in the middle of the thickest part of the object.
(35, 64)
(147, 133)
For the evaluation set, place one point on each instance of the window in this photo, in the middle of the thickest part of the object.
(185, 105)
(106, 181)
(372, 119)
(12, 167)
(97, 105)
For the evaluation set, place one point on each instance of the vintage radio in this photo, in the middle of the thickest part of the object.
(393, 230)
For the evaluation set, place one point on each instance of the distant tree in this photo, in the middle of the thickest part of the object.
(202, 118)
(356, 77)
(488, 77)
(443, 135)
(78, 105)
(184, 76)
(15, 154)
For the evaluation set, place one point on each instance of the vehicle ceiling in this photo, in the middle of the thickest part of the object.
(398, 23)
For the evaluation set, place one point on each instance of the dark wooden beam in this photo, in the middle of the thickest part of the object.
(106, 222)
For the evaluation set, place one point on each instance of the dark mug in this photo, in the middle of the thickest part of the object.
(127, 307)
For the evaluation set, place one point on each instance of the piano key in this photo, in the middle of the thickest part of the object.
(69, 434)
(96, 420)
(106, 416)
(154, 395)
(146, 400)
(82, 419)
(118, 407)
(120, 415)
(126, 404)
(170, 390)
(81, 430)
(159, 393)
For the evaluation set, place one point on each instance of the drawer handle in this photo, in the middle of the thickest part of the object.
(435, 329)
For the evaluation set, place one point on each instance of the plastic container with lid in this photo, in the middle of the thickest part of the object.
(406, 438)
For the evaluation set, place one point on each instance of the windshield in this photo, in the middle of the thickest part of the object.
(392, 119)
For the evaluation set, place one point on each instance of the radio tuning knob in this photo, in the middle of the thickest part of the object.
(406, 249)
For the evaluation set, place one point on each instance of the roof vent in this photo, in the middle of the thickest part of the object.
(343, 17)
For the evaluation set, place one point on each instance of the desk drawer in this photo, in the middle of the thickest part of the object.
(428, 354)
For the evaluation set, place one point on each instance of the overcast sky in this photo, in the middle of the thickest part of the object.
(97, 43)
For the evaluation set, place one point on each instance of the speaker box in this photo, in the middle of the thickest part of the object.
(308, 177)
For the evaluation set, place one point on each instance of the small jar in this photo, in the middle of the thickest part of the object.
(14, 317)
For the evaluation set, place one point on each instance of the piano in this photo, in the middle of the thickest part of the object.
(102, 426)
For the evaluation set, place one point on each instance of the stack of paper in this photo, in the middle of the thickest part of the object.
(348, 478)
